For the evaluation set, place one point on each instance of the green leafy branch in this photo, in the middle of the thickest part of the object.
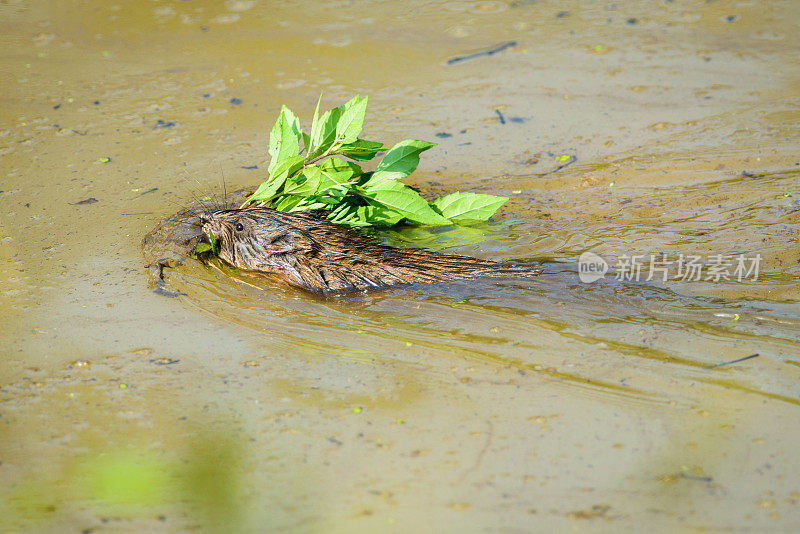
(318, 170)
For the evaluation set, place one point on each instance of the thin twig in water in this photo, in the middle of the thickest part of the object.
(488, 52)
(695, 477)
(572, 159)
(730, 362)
(481, 453)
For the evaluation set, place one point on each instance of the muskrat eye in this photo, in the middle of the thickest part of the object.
(239, 227)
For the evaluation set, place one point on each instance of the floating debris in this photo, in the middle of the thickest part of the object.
(163, 361)
(731, 362)
(487, 52)
(90, 200)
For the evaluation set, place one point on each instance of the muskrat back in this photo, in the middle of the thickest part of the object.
(304, 250)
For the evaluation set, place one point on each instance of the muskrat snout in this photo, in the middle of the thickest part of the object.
(205, 219)
(206, 226)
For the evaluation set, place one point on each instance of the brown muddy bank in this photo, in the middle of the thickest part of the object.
(551, 406)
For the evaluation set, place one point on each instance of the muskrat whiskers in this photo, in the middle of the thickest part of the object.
(224, 187)
(209, 201)
(181, 204)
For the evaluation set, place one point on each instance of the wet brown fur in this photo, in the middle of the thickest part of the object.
(306, 251)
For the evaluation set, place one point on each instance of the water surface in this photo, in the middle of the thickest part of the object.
(495, 406)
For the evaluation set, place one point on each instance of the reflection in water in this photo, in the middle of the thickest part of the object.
(201, 478)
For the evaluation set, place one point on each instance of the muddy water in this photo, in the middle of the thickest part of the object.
(505, 406)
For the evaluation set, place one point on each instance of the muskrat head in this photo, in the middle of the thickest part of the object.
(255, 238)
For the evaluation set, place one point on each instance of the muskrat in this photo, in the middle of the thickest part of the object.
(305, 250)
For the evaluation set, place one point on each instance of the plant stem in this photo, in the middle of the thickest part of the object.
(329, 152)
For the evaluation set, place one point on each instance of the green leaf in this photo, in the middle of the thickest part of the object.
(326, 181)
(287, 167)
(364, 178)
(468, 206)
(376, 215)
(402, 159)
(401, 198)
(315, 125)
(329, 188)
(204, 248)
(339, 170)
(352, 120)
(304, 183)
(286, 202)
(265, 191)
(331, 197)
(353, 214)
(360, 150)
(337, 213)
(308, 204)
(297, 203)
(325, 136)
(284, 139)
(268, 188)
(379, 215)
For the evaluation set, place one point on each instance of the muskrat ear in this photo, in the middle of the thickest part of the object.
(290, 241)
